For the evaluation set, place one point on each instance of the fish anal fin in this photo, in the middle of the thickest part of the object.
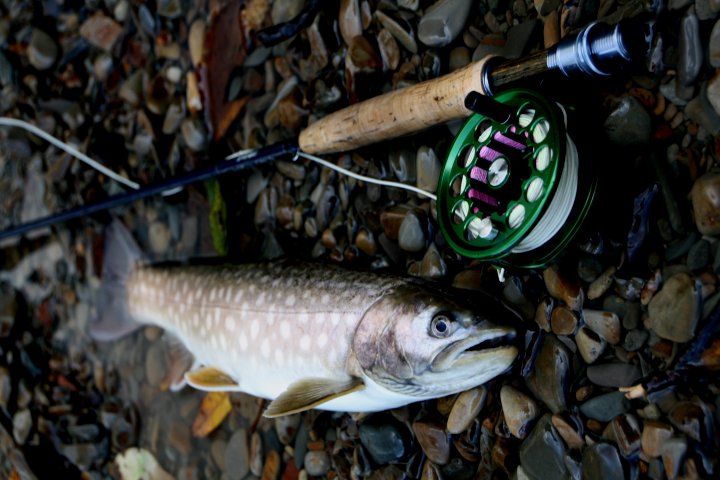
(210, 379)
(310, 393)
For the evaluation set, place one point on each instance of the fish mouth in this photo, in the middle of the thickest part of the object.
(486, 346)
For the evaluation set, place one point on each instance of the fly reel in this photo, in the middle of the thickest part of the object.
(513, 191)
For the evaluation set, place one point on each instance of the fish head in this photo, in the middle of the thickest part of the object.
(421, 342)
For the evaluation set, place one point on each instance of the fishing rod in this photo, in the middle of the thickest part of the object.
(464, 189)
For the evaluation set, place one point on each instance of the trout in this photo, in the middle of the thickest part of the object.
(307, 335)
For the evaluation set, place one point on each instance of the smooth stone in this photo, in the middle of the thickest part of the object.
(614, 374)
(285, 10)
(590, 344)
(402, 163)
(605, 324)
(563, 321)
(626, 432)
(196, 41)
(705, 198)
(700, 110)
(635, 339)
(631, 319)
(405, 38)
(483, 50)
(411, 236)
(549, 379)
(465, 410)
(673, 454)
(443, 21)
(564, 287)
(602, 283)
(690, 418)
(654, 436)
(543, 7)
(271, 469)
(713, 92)
(690, 49)
(42, 50)
(156, 363)
(101, 31)
(22, 422)
(519, 409)
(428, 169)
(699, 255)
(542, 453)
(389, 50)
(286, 427)
(714, 45)
(384, 443)
(237, 455)
(673, 312)
(434, 441)
(160, 237)
(217, 452)
(350, 22)
(601, 462)
(459, 57)
(604, 408)
(569, 431)
(519, 37)
(317, 463)
(432, 265)
(628, 124)
(194, 134)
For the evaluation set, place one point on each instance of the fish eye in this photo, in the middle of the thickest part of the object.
(441, 326)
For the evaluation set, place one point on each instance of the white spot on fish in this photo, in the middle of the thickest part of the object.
(271, 320)
(243, 341)
(238, 296)
(305, 343)
(223, 342)
(322, 340)
(303, 318)
(231, 324)
(213, 294)
(254, 329)
(279, 357)
(325, 299)
(306, 294)
(228, 295)
(285, 330)
(335, 318)
(221, 293)
(290, 300)
(260, 299)
(265, 348)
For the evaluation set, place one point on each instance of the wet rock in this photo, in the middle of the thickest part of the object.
(705, 197)
(434, 441)
(22, 423)
(519, 409)
(614, 374)
(569, 430)
(350, 22)
(548, 381)
(271, 469)
(635, 339)
(42, 51)
(700, 110)
(600, 285)
(564, 287)
(626, 433)
(257, 454)
(160, 238)
(428, 169)
(544, 7)
(384, 443)
(673, 312)
(590, 344)
(690, 418)
(654, 436)
(411, 236)
(519, 37)
(101, 31)
(465, 409)
(601, 461)
(542, 453)
(563, 321)
(432, 265)
(196, 41)
(605, 324)
(402, 35)
(628, 124)
(605, 407)
(286, 427)
(690, 48)
(699, 255)
(443, 21)
(714, 45)
(194, 134)
(236, 455)
(673, 454)
(317, 463)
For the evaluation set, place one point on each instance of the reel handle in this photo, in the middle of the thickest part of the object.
(396, 113)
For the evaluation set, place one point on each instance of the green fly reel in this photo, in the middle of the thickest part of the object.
(512, 191)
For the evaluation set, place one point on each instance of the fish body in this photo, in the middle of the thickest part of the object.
(308, 335)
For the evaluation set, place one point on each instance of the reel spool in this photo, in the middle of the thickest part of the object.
(513, 191)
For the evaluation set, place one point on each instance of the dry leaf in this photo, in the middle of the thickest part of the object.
(213, 410)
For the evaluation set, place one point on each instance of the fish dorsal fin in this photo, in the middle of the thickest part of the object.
(309, 393)
(210, 379)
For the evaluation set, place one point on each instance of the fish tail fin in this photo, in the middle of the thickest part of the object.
(112, 318)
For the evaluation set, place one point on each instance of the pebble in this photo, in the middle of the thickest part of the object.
(563, 321)
(705, 197)
(434, 441)
(428, 169)
(405, 38)
(317, 463)
(236, 455)
(160, 237)
(629, 124)
(590, 344)
(714, 45)
(600, 462)
(271, 469)
(673, 312)
(194, 134)
(600, 285)
(548, 381)
(691, 51)
(542, 453)
(519, 409)
(101, 31)
(466, 409)
(569, 431)
(626, 433)
(22, 423)
(699, 256)
(564, 287)
(286, 427)
(654, 436)
(42, 51)
(605, 407)
(156, 363)
(411, 236)
(384, 443)
(605, 324)
(443, 22)
(350, 22)
(614, 374)
(673, 454)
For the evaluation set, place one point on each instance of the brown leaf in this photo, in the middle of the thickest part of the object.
(213, 410)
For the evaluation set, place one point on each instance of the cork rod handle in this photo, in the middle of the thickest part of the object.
(396, 113)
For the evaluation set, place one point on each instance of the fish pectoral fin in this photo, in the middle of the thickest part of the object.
(309, 393)
(210, 379)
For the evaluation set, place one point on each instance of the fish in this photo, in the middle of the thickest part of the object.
(307, 335)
